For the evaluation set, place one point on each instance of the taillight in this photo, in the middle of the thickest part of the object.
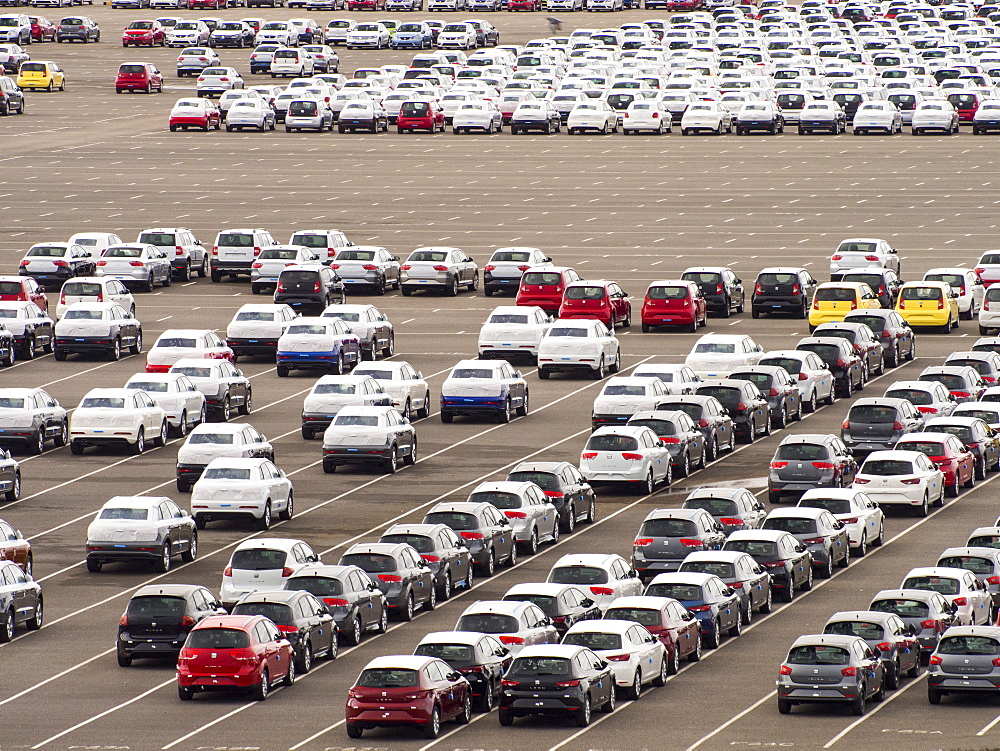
(773, 392)
(506, 639)
(836, 258)
(864, 481)
(703, 423)
(287, 629)
(814, 540)
(691, 543)
(257, 265)
(883, 646)
(589, 455)
(440, 267)
(849, 671)
(187, 621)
(178, 250)
(505, 683)
(846, 425)
(568, 684)
(960, 601)
(632, 457)
(854, 304)
(928, 624)
(123, 621)
(785, 670)
(928, 410)
(700, 608)
(489, 267)
(718, 289)
(515, 515)
(370, 267)
(617, 658)
(228, 571)
(62, 298)
(779, 465)
(523, 268)
(405, 267)
(796, 289)
(24, 262)
(472, 535)
(642, 542)
(741, 407)
(731, 522)
(431, 558)
(935, 660)
(316, 287)
(669, 439)
(102, 263)
(60, 264)
(256, 251)
(823, 465)
(602, 590)
(993, 580)
(391, 578)
(215, 250)
(335, 601)
(913, 481)
(841, 363)
(286, 572)
(871, 258)
(979, 270)
(135, 263)
(558, 493)
(897, 426)
(940, 304)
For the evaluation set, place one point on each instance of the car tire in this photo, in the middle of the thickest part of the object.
(695, 655)
(583, 717)
(598, 373)
(140, 442)
(858, 703)
(784, 706)
(264, 522)
(807, 587)
(163, 562)
(136, 348)
(768, 604)
(191, 553)
(712, 639)
(262, 689)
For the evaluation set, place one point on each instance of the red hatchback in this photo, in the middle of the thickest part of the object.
(144, 34)
(966, 102)
(949, 454)
(420, 115)
(674, 302)
(20, 288)
(407, 690)
(42, 29)
(138, 77)
(544, 287)
(605, 301)
(235, 651)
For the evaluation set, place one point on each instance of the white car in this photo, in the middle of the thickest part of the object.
(176, 395)
(902, 478)
(94, 289)
(581, 344)
(881, 116)
(31, 328)
(478, 387)
(143, 265)
(712, 117)
(150, 529)
(177, 344)
(289, 61)
(369, 325)
(362, 434)
(966, 285)
(270, 262)
(512, 331)
(623, 396)
(210, 441)
(606, 576)
(410, 394)
(647, 115)
(934, 114)
(438, 267)
(929, 397)
(814, 379)
(459, 36)
(505, 267)
(223, 384)
(987, 117)
(242, 488)
(97, 327)
(988, 412)
(718, 355)
(333, 392)
(116, 417)
(216, 80)
(187, 32)
(860, 253)
(861, 515)
(626, 453)
(973, 602)
(312, 342)
(532, 516)
(516, 624)
(678, 379)
(481, 115)
(594, 114)
(188, 256)
(256, 328)
(251, 113)
(95, 242)
(373, 35)
(278, 32)
(337, 30)
(263, 563)
(635, 655)
(983, 561)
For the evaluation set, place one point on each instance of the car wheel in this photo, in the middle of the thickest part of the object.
(685, 467)
(583, 717)
(289, 509)
(858, 704)
(712, 639)
(646, 488)
(768, 604)
(489, 566)
(784, 706)
(807, 587)
(163, 562)
(192, 552)
(531, 546)
(695, 655)
(408, 608)
(737, 628)
(136, 348)
(261, 690)
(712, 450)
(140, 442)
(599, 372)
(264, 522)
(303, 663)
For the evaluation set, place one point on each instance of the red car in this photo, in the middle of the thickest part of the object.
(366, 4)
(138, 77)
(213, 4)
(605, 301)
(674, 302)
(524, 5)
(420, 115)
(407, 690)
(195, 113)
(544, 287)
(966, 102)
(144, 34)
(23, 288)
(949, 454)
(42, 29)
(234, 651)
(664, 618)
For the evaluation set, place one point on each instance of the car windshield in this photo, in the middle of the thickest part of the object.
(259, 559)
(103, 402)
(84, 315)
(578, 575)
(373, 563)
(714, 506)
(488, 623)
(818, 655)
(121, 513)
(975, 564)
(156, 607)
(217, 638)
(213, 438)
(943, 584)
(279, 613)
(226, 473)
(594, 640)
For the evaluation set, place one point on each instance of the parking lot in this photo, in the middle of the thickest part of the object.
(630, 210)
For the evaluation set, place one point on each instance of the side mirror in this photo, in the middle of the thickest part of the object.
(372, 586)
(18, 535)
(587, 602)
(502, 652)
(239, 372)
(688, 615)
(395, 258)
(518, 374)
(454, 675)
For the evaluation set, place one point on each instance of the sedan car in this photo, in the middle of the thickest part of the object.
(744, 402)
(824, 668)
(104, 327)
(177, 344)
(441, 268)
(348, 594)
(213, 81)
(973, 602)
(51, 264)
(935, 114)
(370, 325)
(482, 387)
(591, 115)
(256, 328)
(369, 434)
(706, 117)
(332, 393)
(143, 265)
(874, 116)
(929, 304)
(963, 382)
(987, 117)
(302, 620)
(224, 386)
(823, 116)
(536, 115)
(117, 417)
(369, 266)
(210, 441)
(141, 528)
(717, 355)
(270, 262)
(806, 461)
(21, 601)
(398, 570)
(323, 343)
(759, 116)
(144, 33)
(927, 612)
(158, 619)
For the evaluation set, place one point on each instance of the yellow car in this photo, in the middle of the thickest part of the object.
(834, 300)
(41, 74)
(928, 304)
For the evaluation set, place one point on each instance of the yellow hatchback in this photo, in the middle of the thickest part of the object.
(928, 304)
(41, 74)
(834, 300)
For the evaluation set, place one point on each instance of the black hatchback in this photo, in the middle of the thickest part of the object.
(782, 290)
(888, 326)
(309, 287)
(302, 619)
(744, 403)
(158, 618)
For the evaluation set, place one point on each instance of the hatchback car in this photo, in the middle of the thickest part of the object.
(606, 576)
(480, 658)
(302, 620)
(309, 287)
(963, 382)
(893, 640)
(143, 77)
(898, 339)
(876, 423)
(782, 290)
(399, 571)
(785, 559)
(158, 618)
(262, 563)
(976, 435)
(834, 300)
(823, 668)
(824, 536)
(964, 652)
(177, 344)
(150, 529)
(949, 454)
(962, 588)
(722, 289)
(849, 371)
(195, 113)
(667, 536)
(929, 304)
(564, 486)
(866, 346)
(440, 268)
(544, 286)
(674, 303)
(717, 606)
(927, 612)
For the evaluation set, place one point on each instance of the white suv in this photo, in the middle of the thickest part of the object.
(235, 250)
(186, 253)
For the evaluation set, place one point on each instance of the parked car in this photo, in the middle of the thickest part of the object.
(158, 619)
(150, 529)
(849, 669)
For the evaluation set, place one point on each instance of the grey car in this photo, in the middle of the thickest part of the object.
(809, 460)
(20, 601)
(928, 613)
(824, 668)
(966, 660)
(739, 571)
(10, 476)
(486, 531)
(31, 416)
(437, 268)
(784, 399)
(350, 596)
(679, 433)
(815, 528)
(668, 535)
(732, 508)
(713, 421)
(444, 552)
(876, 423)
(368, 266)
(894, 641)
(399, 571)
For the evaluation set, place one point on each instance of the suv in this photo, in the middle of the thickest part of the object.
(16, 29)
(721, 288)
(565, 488)
(809, 460)
(309, 286)
(782, 290)
(186, 253)
(325, 242)
(235, 250)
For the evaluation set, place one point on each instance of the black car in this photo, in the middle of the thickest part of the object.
(564, 604)
(885, 283)
(849, 102)
(20, 601)
(480, 658)
(399, 571)
(302, 619)
(788, 562)
(539, 114)
(721, 288)
(349, 595)
(822, 116)
(862, 339)
(557, 679)
(564, 486)
(784, 400)
(759, 116)
(158, 618)
(310, 288)
(444, 552)
(782, 290)
(744, 403)
(681, 435)
(847, 368)
(898, 340)
(486, 531)
(712, 419)
(11, 97)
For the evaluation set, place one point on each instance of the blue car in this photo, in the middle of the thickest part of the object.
(484, 387)
(326, 344)
(412, 35)
(714, 603)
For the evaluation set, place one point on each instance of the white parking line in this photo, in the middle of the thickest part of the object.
(878, 708)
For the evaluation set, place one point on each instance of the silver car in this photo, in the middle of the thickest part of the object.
(250, 113)
(504, 269)
(136, 264)
(967, 659)
(439, 268)
(824, 667)
(368, 265)
(193, 60)
(271, 262)
(531, 514)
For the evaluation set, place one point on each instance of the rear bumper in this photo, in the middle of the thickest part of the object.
(253, 346)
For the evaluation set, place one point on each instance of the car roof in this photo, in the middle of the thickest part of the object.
(724, 338)
(219, 427)
(565, 651)
(192, 362)
(861, 615)
(902, 593)
(879, 401)
(770, 535)
(992, 632)
(675, 513)
(469, 507)
(834, 640)
(236, 461)
(109, 392)
(603, 625)
(400, 662)
(505, 486)
(378, 548)
(808, 438)
(725, 556)
(167, 590)
(135, 501)
(470, 638)
(355, 379)
(781, 270)
(629, 430)
(797, 512)
(979, 550)
(541, 588)
(271, 595)
(93, 306)
(926, 435)
(185, 332)
(269, 543)
(587, 559)
(502, 607)
(936, 571)
(240, 622)
(414, 529)
(922, 385)
(683, 577)
(647, 602)
(541, 466)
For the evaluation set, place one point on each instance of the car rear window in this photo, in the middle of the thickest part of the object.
(45, 251)
(488, 623)
(951, 382)
(299, 277)
(818, 655)
(578, 575)
(427, 255)
(334, 388)
(969, 645)
(543, 278)
(717, 348)
(193, 371)
(305, 109)
(544, 480)
(714, 506)
(373, 563)
(217, 638)
(218, 439)
(929, 448)
(726, 395)
(420, 543)
(457, 520)
(365, 421)
(497, 498)
(278, 612)
(85, 315)
(10, 288)
(660, 427)
(453, 654)
(388, 678)
(683, 592)
(103, 402)
(973, 563)
(594, 640)
(942, 584)
(716, 568)
(176, 341)
(259, 559)
(916, 396)
(791, 525)
(872, 413)
(612, 443)
(540, 666)
(667, 293)
(226, 473)
(668, 528)
(836, 294)
(622, 389)
(902, 607)
(761, 380)
(585, 293)
(309, 329)
(546, 603)
(757, 548)
(156, 238)
(862, 629)
(825, 351)
(920, 293)
(156, 606)
(321, 586)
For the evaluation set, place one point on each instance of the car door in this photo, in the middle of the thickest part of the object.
(647, 651)
(176, 521)
(269, 650)
(449, 551)
(501, 532)
(419, 574)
